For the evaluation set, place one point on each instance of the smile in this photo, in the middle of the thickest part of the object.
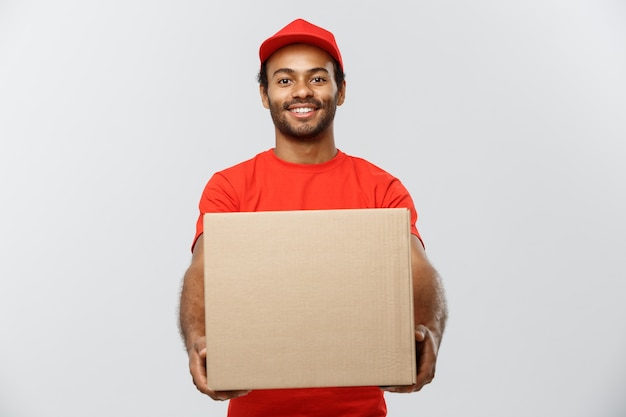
(302, 110)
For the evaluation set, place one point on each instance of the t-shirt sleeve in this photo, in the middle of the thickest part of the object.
(219, 196)
(397, 196)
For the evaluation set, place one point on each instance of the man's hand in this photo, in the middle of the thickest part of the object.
(426, 351)
(197, 368)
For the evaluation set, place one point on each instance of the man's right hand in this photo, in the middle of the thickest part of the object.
(197, 368)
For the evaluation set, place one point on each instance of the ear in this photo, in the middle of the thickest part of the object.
(264, 97)
(341, 94)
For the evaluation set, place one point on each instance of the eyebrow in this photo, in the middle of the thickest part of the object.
(292, 71)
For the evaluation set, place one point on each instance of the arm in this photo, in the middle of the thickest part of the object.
(431, 313)
(192, 324)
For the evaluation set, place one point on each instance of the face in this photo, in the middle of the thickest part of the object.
(302, 94)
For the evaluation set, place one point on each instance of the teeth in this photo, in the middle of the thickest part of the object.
(302, 110)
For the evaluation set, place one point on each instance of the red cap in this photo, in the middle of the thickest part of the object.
(301, 31)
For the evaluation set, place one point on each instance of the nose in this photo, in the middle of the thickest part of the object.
(302, 89)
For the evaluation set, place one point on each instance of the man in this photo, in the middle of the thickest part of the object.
(302, 83)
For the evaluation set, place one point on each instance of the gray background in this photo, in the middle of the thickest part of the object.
(504, 119)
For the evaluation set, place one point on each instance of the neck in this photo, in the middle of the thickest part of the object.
(297, 151)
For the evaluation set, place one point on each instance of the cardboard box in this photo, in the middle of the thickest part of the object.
(309, 299)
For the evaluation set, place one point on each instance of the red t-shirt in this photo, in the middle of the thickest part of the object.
(266, 183)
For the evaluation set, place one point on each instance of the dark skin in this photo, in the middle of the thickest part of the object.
(302, 96)
(193, 324)
(299, 74)
(430, 315)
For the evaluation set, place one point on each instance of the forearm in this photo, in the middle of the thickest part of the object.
(430, 315)
(191, 313)
(429, 301)
(191, 320)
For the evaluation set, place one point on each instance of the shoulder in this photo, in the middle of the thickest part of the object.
(244, 165)
(240, 172)
(372, 175)
(364, 166)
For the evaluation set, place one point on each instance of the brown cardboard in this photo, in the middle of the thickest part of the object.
(309, 299)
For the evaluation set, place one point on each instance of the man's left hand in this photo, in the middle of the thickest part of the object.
(426, 352)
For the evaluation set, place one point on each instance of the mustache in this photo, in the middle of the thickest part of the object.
(313, 102)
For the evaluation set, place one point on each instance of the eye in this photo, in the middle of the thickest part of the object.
(318, 80)
(283, 81)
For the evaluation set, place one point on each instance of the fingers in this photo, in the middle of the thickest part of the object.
(227, 395)
(426, 354)
(426, 357)
(197, 368)
(405, 389)
(420, 332)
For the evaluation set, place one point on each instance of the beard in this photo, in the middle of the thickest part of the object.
(306, 132)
